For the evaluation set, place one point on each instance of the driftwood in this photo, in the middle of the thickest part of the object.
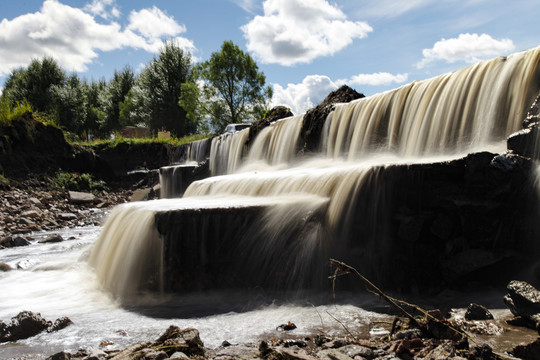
(342, 268)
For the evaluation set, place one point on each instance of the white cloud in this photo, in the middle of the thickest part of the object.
(304, 96)
(387, 8)
(314, 88)
(73, 37)
(104, 8)
(298, 31)
(376, 79)
(466, 47)
(154, 23)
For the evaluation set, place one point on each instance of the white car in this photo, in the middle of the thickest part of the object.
(236, 127)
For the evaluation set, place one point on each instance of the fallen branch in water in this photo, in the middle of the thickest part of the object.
(342, 268)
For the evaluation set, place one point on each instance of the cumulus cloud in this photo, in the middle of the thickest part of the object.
(304, 96)
(73, 37)
(376, 79)
(466, 47)
(298, 31)
(314, 88)
(103, 8)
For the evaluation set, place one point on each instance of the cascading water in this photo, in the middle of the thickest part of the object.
(448, 116)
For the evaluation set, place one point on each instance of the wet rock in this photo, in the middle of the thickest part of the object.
(314, 119)
(77, 197)
(332, 354)
(186, 341)
(523, 300)
(19, 241)
(276, 113)
(225, 343)
(60, 356)
(286, 327)
(151, 354)
(54, 238)
(528, 352)
(26, 324)
(523, 142)
(478, 312)
(31, 214)
(5, 267)
(439, 327)
(60, 324)
(67, 216)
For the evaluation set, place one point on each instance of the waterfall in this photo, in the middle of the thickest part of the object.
(198, 150)
(443, 118)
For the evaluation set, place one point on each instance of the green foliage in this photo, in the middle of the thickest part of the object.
(154, 98)
(10, 113)
(4, 182)
(133, 141)
(35, 84)
(112, 96)
(70, 104)
(77, 182)
(234, 89)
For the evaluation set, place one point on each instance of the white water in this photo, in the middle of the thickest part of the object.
(57, 282)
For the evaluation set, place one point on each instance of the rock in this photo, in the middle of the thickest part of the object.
(54, 238)
(225, 343)
(528, 352)
(332, 354)
(150, 354)
(60, 324)
(286, 327)
(478, 312)
(31, 214)
(523, 142)
(505, 162)
(179, 355)
(186, 341)
(356, 350)
(67, 216)
(141, 194)
(77, 197)
(276, 113)
(314, 119)
(26, 324)
(522, 299)
(19, 241)
(60, 356)
(5, 267)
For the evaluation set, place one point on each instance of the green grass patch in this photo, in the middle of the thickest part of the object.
(77, 182)
(10, 113)
(134, 141)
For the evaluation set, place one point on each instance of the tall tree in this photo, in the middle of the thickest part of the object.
(70, 102)
(114, 94)
(234, 88)
(160, 87)
(35, 84)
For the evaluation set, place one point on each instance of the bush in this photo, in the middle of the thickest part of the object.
(77, 182)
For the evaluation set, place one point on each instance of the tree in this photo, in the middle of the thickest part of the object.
(233, 90)
(159, 87)
(70, 104)
(35, 84)
(114, 94)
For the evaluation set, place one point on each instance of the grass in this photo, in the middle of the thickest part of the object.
(77, 182)
(10, 113)
(134, 141)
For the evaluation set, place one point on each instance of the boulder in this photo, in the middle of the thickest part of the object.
(528, 352)
(186, 341)
(522, 299)
(54, 238)
(26, 324)
(478, 312)
(60, 324)
(5, 267)
(77, 197)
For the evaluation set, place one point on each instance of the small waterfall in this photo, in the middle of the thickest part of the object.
(199, 150)
(226, 152)
(438, 118)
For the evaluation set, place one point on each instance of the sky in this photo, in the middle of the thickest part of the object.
(306, 48)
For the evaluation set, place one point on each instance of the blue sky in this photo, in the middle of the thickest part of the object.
(306, 48)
